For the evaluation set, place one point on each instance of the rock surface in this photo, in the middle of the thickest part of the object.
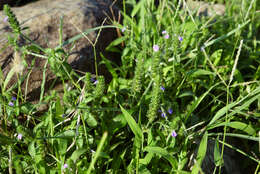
(205, 9)
(43, 19)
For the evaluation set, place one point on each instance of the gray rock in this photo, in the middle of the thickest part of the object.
(43, 20)
(205, 9)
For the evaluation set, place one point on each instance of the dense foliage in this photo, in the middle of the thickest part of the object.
(182, 80)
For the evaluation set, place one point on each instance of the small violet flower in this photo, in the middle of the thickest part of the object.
(5, 19)
(173, 134)
(14, 98)
(170, 111)
(166, 36)
(156, 48)
(65, 166)
(163, 115)
(11, 103)
(180, 38)
(94, 81)
(202, 48)
(162, 88)
(123, 29)
(164, 32)
(19, 136)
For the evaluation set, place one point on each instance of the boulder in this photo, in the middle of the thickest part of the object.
(204, 8)
(43, 19)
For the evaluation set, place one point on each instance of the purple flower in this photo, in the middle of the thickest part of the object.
(11, 103)
(123, 29)
(5, 19)
(163, 115)
(166, 36)
(173, 134)
(160, 110)
(13, 98)
(19, 136)
(170, 111)
(162, 88)
(180, 38)
(164, 32)
(65, 166)
(94, 81)
(156, 48)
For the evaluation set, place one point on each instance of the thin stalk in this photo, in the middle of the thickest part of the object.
(93, 161)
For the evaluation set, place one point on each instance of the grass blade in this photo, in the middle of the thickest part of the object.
(227, 35)
(102, 141)
(133, 126)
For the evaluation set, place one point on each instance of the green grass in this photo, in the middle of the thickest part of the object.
(202, 83)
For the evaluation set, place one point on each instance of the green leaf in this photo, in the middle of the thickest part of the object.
(238, 125)
(118, 122)
(109, 66)
(116, 42)
(251, 97)
(31, 149)
(147, 159)
(62, 145)
(216, 56)
(59, 108)
(91, 121)
(203, 147)
(164, 153)
(137, 7)
(200, 72)
(8, 77)
(133, 125)
(76, 154)
(217, 156)
(66, 134)
(201, 153)
(143, 170)
(97, 154)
